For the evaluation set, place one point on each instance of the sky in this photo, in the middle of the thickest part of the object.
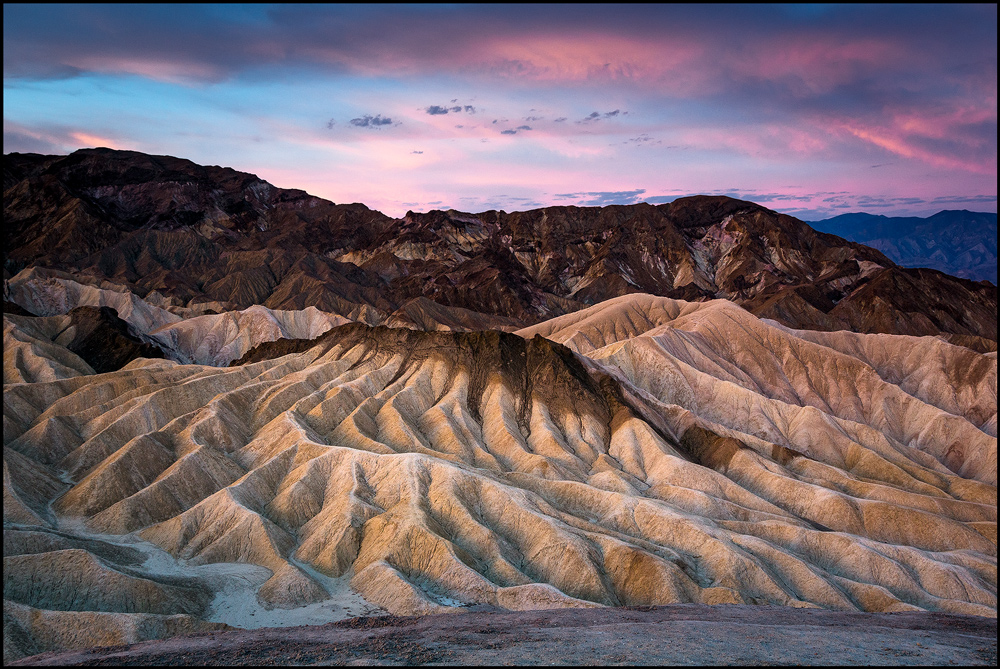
(811, 110)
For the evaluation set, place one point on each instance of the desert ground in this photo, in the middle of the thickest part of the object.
(683, 634)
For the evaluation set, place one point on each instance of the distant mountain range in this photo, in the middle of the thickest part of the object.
(959, 242)
(191, 237)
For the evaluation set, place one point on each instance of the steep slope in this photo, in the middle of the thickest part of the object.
(86, 340)
(189, 233)
(30, 355)
(103, 340)
(668, 452)
(65, 592)
(209, 238)
(953, 378)
(29, 631)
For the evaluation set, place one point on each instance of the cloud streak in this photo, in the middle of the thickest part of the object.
(603, 198)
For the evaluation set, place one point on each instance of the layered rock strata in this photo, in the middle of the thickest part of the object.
(643, 451)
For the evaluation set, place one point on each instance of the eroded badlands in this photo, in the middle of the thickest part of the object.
(642, 451)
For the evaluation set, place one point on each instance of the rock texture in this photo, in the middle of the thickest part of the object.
(62, 592)
(189, 335)
(702, 402)
(679, 634)
(961, 243)
(29, 631)
(103, 340)
(641, 451)
(181, 235)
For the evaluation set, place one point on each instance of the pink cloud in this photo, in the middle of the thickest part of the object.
(944, 124)
(89, 140)
(54, 138)
(586, 56)
(892, 141)
(941, 136)
(167, 69)
(818, 62)
(27, 139)
(764, 140)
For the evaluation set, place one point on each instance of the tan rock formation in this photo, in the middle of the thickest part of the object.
(668, 452)
(28, 631)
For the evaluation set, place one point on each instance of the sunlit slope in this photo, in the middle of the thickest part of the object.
(718, 360)
(696, 454)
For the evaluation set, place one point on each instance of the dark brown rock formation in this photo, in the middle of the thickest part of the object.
(15, 309)
(209, 234)
(103, 340)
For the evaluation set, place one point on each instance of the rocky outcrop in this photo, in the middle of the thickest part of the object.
(183, 334)
(29, 631)
(95, 336)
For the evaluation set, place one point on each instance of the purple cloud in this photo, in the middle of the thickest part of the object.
(435, 110)
(369, 121)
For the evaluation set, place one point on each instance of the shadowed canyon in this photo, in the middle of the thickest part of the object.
(232, 405)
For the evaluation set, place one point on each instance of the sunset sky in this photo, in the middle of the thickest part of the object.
(812, 110)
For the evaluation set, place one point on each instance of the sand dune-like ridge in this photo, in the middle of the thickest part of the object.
(668, 452)
(187, 334)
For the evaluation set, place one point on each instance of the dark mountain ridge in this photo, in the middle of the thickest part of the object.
(959, 242)
(214, 235)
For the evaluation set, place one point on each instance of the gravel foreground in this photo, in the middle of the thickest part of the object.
(690, 634)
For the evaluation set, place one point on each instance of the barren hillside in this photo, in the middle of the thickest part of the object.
(644, 451)
(232, 405)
